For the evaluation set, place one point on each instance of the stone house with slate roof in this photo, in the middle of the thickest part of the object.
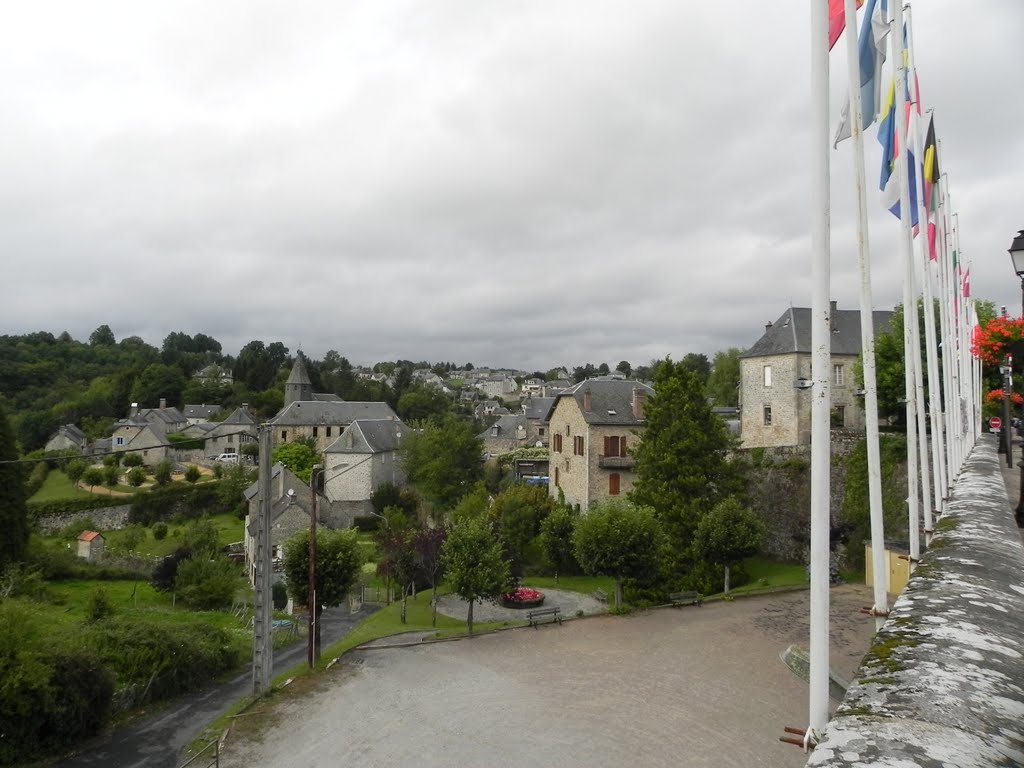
(289, 513)
(535, 409)
(362, 459)
(774, 411)
(197, 414)
(593, 425)
(509, 432)
(136, 435)
(167, 419)
(68, 437)
(228, 435)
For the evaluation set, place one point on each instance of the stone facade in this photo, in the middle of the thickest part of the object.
(104, 518)
(589, 442)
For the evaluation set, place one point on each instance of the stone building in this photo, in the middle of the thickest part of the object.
(591, 430)
(775, 399)
(359, 462)
(91, 545)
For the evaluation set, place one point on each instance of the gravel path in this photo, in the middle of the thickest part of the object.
(571, 603)
(691, 686)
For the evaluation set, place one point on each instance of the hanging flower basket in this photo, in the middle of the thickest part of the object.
(522, 597)
(999, 337)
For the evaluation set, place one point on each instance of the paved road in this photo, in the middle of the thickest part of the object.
(158, 740)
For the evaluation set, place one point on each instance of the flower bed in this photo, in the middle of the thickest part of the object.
(522, 597)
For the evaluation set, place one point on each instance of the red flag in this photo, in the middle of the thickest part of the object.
(837, 19)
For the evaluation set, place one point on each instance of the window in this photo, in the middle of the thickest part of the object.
(118, 441)
(231, 438)
(284, 435)
(540, 431)
(567, 434)
(615, 445)
(837, 375)
(556, 444)
(767, 415)
(577, 445)
(556, 474)
(316, 432)
(328, 431)
(613, 484)
(767, 375)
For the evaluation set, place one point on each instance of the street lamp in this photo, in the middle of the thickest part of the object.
(1017, 257)
(1006, 369)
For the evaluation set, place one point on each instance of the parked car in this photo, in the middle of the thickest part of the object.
(227, 458)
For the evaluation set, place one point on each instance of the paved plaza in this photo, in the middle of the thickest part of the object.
(690, 686)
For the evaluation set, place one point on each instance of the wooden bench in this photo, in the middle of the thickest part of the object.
(686, 598)
(535, 616)
(600, 595)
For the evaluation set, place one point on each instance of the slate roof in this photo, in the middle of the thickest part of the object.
(311, 412)
(200, 411)
(537, 407)
(370, 436)
(299, 374)
(611, 400)
(792, 332)
(240, 416)
(506, 425)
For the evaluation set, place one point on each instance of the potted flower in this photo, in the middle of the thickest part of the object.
(522, 597)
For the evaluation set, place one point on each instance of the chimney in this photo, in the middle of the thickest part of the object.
(638, 403)
(768, 326)
(133, 410)
(587, 401)
(163, 403)
(832, 316)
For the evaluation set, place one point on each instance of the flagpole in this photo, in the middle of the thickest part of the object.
(930, 485)
(867, 328)
(948, 345)
(911, 346)
(821, 341)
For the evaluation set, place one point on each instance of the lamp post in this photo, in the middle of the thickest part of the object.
(1017, 257)
(1006, 369)
(312, 651)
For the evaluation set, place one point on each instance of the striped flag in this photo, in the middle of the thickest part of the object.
(930, 175)
(873, 31)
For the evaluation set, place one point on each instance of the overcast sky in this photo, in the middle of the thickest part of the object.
(525, 184)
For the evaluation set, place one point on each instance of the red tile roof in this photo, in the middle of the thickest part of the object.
(89, 535)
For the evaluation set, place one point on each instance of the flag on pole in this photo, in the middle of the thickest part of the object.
(930, 176)
(967, 283)
(837, 20)
(871, 43)
(888, 136)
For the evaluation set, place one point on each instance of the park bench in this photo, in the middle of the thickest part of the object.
(600, 595)
(535, 616)
(686, 598)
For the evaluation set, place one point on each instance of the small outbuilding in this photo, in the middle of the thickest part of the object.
(90, 545)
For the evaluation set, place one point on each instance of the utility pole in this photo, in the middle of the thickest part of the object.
(312, 651)
(262, 623)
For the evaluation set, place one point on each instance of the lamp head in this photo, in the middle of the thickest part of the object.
(1017, 254)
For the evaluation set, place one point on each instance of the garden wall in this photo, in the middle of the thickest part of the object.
(106, 519)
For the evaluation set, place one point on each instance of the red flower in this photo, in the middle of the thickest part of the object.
(522, 595)
(997, 395)
(990, 341)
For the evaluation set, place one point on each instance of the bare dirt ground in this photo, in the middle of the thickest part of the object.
(691, 686)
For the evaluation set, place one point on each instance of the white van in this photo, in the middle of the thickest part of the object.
(227, 458)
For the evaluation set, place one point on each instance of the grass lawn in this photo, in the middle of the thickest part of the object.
(768, 574)
(229, 530)
(584, 584)
(57, 486)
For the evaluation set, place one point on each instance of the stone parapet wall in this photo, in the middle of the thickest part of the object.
(942, 682)
(105, 519)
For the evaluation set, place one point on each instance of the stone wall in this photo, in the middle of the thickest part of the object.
(941, 684)
(105, 518)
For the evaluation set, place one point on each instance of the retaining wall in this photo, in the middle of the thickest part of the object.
(943, 682)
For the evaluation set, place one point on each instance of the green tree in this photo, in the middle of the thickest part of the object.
(474, 564)
(136, 476)
(419, 403)
(429, 547)
(192, 474)
(723, 383)
(207, 582)
(92, 477)
(624, 368)
(159, 381)
(339, 562)
(102, 337)
(132, 460)
(111, 474)
(698, 363)
(518, 512)
(682, 463)
(556, 539)
(729, 534)
(13, 511)
(162, 472)
(443, 460)
(299, 456)
(620, 540)
(75, 469)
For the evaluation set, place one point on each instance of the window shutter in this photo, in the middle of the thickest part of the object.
(622, 446)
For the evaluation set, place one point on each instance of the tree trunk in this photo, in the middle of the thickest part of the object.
(618, 593)
(469, 618)
(433, 605)
(727, 579)
(405, 598)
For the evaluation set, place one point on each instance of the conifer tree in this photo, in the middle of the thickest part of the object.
(13, 512)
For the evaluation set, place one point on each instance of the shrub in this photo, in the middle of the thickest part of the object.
(192, 474)
(35, 480)
(74, 529)
(366, 523)
(160, 531)
(75, 469)
(99, 606)
(132, 460)
(162, 472)
(207, 583)
(280, 596)
(93, 476)
(136, 476)
(111, 474)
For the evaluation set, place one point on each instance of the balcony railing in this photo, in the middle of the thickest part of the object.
(616, 462)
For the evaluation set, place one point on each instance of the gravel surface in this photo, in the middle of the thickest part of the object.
(690, 686)
(569, 602)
